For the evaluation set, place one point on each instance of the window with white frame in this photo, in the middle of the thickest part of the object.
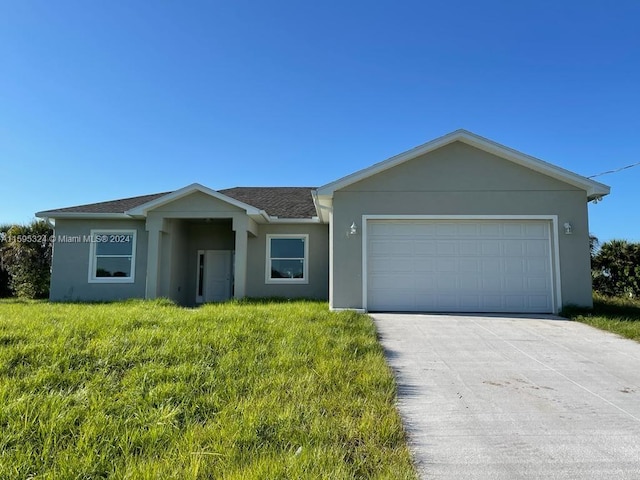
(287, 259)
(112, 256)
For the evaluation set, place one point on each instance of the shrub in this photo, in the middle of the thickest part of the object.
(5, 291)
(616, 269)
(26, 257)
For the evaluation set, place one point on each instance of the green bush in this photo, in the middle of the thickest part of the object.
(26, 258)
(616, 269)
(5, 291)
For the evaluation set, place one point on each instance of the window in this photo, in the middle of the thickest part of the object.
(287, 258)
(112, 256)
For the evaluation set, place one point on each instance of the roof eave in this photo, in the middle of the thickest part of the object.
(83, 215)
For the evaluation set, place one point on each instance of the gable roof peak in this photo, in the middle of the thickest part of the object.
(594, 189)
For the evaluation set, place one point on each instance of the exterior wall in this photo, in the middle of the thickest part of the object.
(460, 180)
(70, 263)
(177, 289)
(318, 286)
(197, 202)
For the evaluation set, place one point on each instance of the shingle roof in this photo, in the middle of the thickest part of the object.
(283, 202)
(112, 206)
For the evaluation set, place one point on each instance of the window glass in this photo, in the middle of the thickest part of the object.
(112, 256)
(113, 244)
(287, 259)
(287, 268)
(287, 248)
(113, 267)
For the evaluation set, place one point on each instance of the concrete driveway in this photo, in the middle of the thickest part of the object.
(513, 397)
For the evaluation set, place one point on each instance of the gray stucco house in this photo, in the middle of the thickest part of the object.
(458, 224)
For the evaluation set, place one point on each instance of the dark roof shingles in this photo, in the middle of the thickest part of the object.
(283, 202)
(112, 206)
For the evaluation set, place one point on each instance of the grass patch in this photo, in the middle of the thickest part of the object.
(146, 390)
(617, 315)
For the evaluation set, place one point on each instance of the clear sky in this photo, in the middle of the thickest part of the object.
(110, 99)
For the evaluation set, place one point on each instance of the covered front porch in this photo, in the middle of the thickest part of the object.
(197, 245)
(197, 260)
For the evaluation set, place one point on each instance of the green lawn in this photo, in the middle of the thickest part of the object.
(142, 390)
(618, 315)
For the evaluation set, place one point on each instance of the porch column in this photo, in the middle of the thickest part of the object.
(240, 226)
(154, 226)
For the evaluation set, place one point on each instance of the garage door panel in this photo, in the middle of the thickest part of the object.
(446, 248)
(391, 281)
(424, 265)
(391, 265)
(425, 286)
(540, 284)
(425, 247)
(517, 303)
(469, 265)
(537, 230)
(467, 230)
(514, 283)
(469, 248)
(446, 265)
(537, 266)
(392, 246)
(490, 248)
(539, 302)
(491, 265)
(395, 299)
(469, 302)
(537, 248)
(514, 265)
(513, 248)
(490, 229)
(470, 283)
(446, 282)
(446, 229)
(491, 284)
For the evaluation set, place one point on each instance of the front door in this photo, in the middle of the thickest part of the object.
(214, 275)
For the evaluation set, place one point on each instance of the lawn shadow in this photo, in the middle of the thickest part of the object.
(404, 387)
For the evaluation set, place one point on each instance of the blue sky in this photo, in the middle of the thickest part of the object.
(104, 100)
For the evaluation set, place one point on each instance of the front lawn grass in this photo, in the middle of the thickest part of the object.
(149, 390)
(617, 315)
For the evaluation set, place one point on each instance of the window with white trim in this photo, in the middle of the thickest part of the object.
(287, 259)
(112, 257)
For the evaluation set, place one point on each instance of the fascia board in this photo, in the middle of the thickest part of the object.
(83, 215)
(278, 220)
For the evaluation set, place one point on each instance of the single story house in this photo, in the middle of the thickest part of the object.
(459, 224)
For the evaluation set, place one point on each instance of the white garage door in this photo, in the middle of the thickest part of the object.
(459, 266)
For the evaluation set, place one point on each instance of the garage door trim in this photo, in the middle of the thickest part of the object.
(555, 254)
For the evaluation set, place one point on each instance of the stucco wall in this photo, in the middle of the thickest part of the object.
(70, 264)
(460, 180)
(318, 286)
(195, 202)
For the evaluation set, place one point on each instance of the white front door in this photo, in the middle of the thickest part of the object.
(214, 275)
